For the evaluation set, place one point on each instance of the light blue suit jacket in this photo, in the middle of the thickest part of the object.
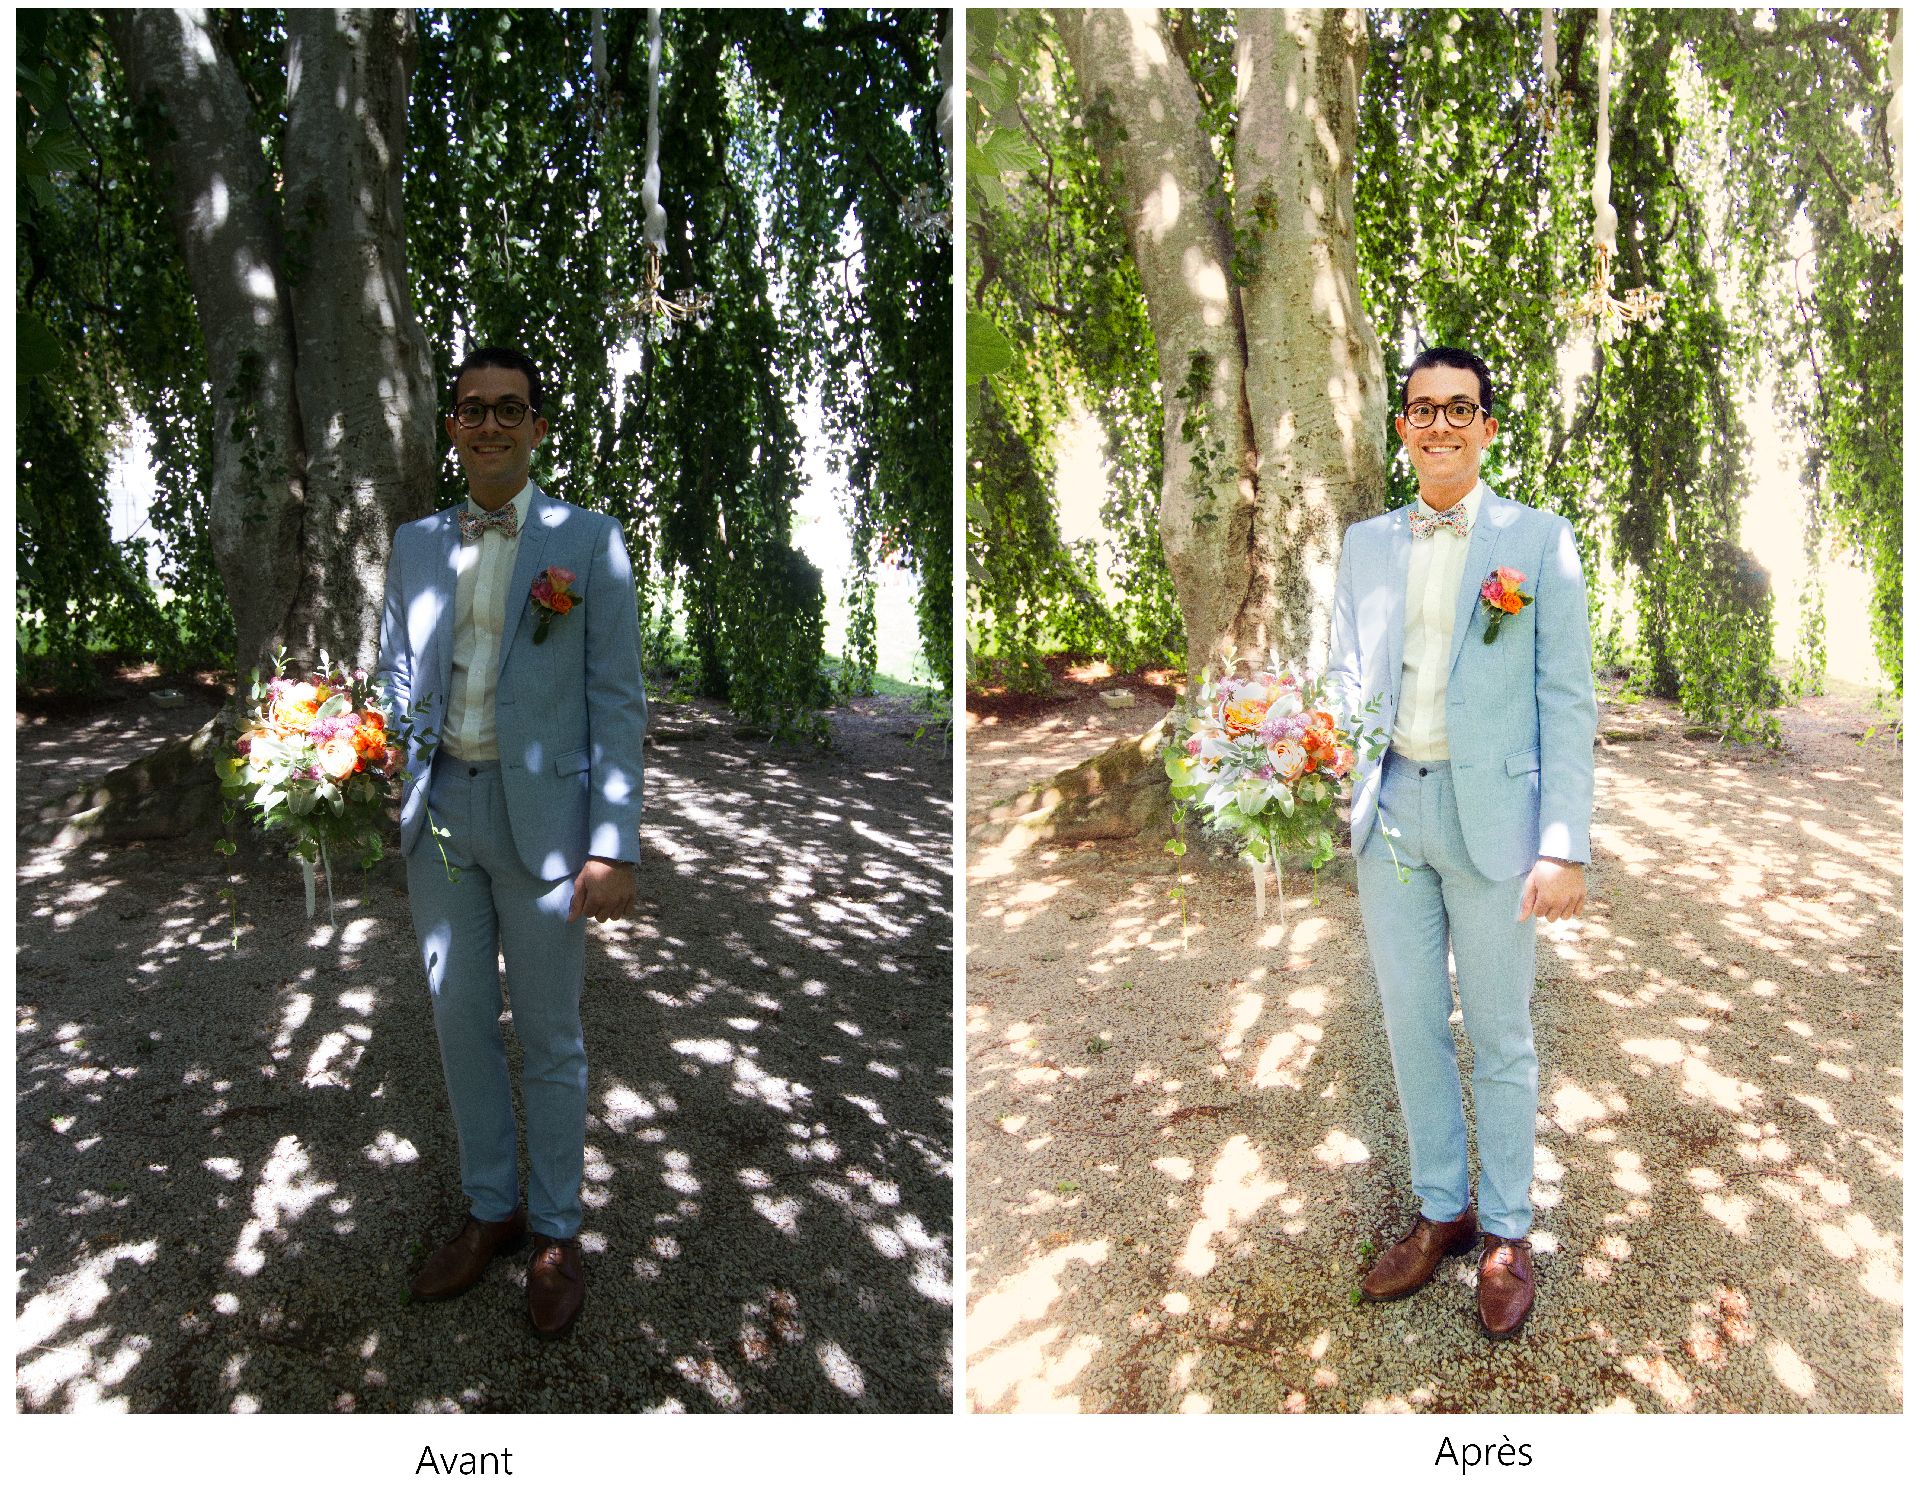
(1521, 711)
(570, 713)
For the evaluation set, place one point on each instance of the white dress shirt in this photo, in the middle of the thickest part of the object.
(1433, 592)
(483, 570)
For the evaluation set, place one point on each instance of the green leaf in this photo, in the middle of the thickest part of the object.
(988, 351)
(37, 352)
(54, 151)
(991, 192)
(1004, 151)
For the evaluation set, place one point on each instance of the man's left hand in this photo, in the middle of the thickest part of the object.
(1554, 890)
(603, 891)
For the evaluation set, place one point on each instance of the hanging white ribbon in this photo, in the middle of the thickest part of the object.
(1550, 56)
(1606, 222)
(1260, 889)
(307, 870)
(1896, 110)
(656, 217)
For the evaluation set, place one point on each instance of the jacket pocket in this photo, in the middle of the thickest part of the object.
(1527, 760)
(571, 763)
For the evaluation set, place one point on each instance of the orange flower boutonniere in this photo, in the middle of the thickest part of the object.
(551, 597)
(1503, 597)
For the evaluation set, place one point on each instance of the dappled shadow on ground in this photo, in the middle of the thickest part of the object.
(232, 1156)
(1181, 1149)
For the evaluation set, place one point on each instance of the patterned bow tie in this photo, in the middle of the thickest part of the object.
(1454, 519)
(474, 524)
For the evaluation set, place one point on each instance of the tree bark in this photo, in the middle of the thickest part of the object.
(1315, 379)
(1270, 370)
(220, 203)
(323, 393)
(364, 380)
(1176, 212)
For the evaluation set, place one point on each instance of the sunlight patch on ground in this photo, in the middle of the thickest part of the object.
(1033, 1372)
(388, 1150)
(1338, 1150)
(284, 1194)
(1237, 1188)
(1790, 1370)
(1028, 1295)
(1287, 1054)
(72, 1298)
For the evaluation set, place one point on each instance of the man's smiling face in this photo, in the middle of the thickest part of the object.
(1446, 458)
(496, 458)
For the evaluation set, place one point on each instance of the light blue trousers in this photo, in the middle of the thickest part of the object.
(464, 927)
(1445, 901)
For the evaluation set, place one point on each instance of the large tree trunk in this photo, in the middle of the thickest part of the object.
(221, 203)
(1315, 379)
(323, 393)
(1274, 389)
(1275, 392)
(1176, 213)
(323, 399)
(364, 380)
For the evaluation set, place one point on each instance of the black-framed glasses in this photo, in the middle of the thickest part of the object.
(1461, 412)
(507, 413)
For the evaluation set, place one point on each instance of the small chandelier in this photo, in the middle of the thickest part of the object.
(1609, 315)
(659, 313)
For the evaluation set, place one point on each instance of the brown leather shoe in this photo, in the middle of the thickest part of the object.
(458, 1265)
(1406, 1266)
(1506, 1286)
(556, 1286)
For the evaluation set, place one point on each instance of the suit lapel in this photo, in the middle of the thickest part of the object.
(1479, 557)
(1399, 560)
(526, 566)
(444, 584)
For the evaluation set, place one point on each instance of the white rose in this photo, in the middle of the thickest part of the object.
(1288, 758)
(337, 757)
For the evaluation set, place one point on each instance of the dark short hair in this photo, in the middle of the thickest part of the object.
(1451, 358)
(506, 358)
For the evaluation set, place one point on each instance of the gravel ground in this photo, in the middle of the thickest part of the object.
(1179, 1150)
(230, 1158)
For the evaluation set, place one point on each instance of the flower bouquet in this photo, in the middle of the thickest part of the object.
(314, 761)
(1263, 756)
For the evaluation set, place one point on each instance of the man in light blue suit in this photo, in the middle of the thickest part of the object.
(511, 634)
(1473, 824)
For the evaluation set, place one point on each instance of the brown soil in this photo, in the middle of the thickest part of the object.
(1183, 1144)
(233, 1151)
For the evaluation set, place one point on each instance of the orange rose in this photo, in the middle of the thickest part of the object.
(1511, 602)
(1244, 716)
(562, 602)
